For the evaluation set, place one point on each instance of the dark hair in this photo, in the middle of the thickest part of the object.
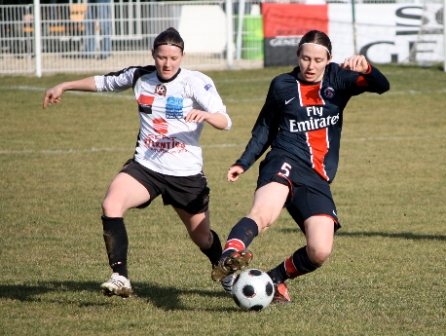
(316, 37)
(169, 37)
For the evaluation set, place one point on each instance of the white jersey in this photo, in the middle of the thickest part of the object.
(166, 143)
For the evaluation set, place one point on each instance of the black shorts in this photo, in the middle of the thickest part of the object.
(189, 193)
(309, 195)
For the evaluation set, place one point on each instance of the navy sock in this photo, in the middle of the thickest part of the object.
(116, 244)
(301, 263)
(241, 235)
(214, 252)
(278, 274)
(297, 264)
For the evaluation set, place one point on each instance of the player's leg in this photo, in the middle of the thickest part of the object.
(320, 237)
(189, 196)
(314, 211)
(319, 233)
(268, 203)
(125, 192)
(198, 227)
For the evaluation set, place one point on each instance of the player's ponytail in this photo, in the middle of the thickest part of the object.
(169, 37)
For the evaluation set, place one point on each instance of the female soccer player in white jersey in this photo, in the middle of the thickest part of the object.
(173, 104)
(301, 121)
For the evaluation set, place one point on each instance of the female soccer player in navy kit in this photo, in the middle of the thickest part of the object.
(173, 104)
(301, 121)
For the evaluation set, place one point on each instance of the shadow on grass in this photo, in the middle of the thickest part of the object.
(169, 298)
(400, 235)
(163, 297)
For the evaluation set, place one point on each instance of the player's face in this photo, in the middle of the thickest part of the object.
(312, 60)
(167, 60)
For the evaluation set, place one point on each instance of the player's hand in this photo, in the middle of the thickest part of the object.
(356, 63)
(234, 172)
(52, 96)
(196, 116)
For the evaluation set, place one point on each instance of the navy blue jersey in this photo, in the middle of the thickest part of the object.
(305, 119)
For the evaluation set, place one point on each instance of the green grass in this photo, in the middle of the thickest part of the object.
(386, 275)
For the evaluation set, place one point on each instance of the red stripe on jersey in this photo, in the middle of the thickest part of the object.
(318, 143)
(361, 81)
(317, 140)
(309, 94)
(290, 269)
(146, 100)
(234, 244)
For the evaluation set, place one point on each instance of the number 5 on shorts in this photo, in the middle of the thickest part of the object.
(285, 169)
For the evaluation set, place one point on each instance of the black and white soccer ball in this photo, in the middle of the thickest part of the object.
(253, 289)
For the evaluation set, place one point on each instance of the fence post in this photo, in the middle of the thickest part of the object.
(241, 17)
(37, 38)
(355, 47)
(230, 30)
(444, 35)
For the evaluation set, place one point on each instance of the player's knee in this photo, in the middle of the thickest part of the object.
(262, 220)
(202, 239)
(318, 255)
(112, 208)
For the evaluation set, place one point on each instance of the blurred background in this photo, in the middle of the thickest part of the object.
(54, 36)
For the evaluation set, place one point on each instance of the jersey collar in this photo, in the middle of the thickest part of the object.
(170, 79)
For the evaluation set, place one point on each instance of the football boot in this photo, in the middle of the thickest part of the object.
(117, 285)
(281, 294)
(227, 282)
(234, 262)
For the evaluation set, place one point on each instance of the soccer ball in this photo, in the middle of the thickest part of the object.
(253, 289)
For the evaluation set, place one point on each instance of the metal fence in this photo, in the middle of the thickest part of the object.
(81, 37)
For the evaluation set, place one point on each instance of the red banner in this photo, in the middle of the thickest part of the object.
(293, 19)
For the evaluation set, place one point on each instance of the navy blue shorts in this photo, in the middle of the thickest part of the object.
(189, 193)
(309, 195)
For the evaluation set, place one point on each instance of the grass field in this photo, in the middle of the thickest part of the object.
(386, 275)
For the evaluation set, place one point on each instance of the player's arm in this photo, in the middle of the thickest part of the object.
(54, 94)
(356, 63)
(209, 106)
(218, 120)
(370, 78)
(234, 172)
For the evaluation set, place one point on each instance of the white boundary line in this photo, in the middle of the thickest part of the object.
(111, 95)
(92, 150)
(127, 96)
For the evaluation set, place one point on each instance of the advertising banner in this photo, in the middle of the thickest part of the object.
(385, 33)
(284, 25)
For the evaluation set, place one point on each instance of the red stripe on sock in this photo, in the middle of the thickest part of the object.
(290, 268)
(234, 244)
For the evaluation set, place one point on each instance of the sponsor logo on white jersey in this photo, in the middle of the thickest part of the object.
(174, 108)
(145, 104)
